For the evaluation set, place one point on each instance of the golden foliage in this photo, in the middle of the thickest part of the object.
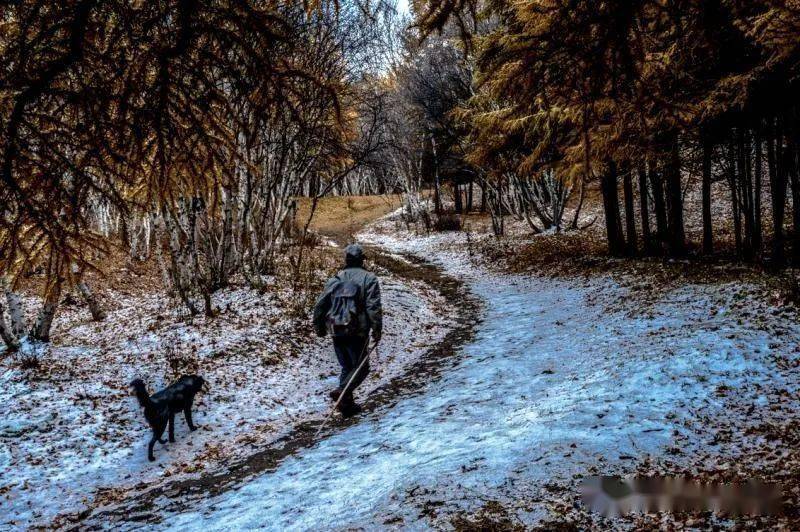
(572, 85)
(140, 104)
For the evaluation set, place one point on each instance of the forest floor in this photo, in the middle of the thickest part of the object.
(73, 437)
(725, 337)
(489, 406)
(560, 378)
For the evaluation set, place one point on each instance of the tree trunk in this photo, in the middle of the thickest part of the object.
(659, 206)
(179, 267)
(41, 329)
(758, 236)
(459, 206)
(15, 313)
(608, 185)
(207, 306)
(735, 202)
(469, 196)
(496, 208)
(777, 183)
(226, 259)
(88, 296)
(647, 243)
(676, 238)
(791, 169)
(200, 281)
(708, 233)
(158, 231)
(745, 194)
(91, 301)
(579, 207)
(6, 334)
(630, 217)
(437, 185)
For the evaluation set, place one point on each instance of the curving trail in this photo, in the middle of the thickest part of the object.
(150, 506)
(553, 382)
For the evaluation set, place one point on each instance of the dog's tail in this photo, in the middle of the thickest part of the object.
(141, 393)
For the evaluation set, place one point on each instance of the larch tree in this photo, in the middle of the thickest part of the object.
(132, 123)
(658, 90)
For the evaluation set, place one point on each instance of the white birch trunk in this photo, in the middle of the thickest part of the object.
(15, 313)
(158, 227)
(226, 261)
(91, 301)
(6, 334)
(180, 267)
(88, 296)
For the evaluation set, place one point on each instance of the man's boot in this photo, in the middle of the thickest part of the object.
(347, 406)
(334, 394)
(355, 409)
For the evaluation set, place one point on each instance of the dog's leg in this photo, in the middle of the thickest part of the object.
(187, 413)
(172, 427)
(157, 433)
(150, 445)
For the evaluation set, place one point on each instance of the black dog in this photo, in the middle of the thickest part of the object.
(161, 407)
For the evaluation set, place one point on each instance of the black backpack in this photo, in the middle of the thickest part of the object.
(342, 318)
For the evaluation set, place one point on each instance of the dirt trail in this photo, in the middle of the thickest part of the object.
(173, 497)
(554, 380)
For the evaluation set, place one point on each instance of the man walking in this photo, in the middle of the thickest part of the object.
(349, 308)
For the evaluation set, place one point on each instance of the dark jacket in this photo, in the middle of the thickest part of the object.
(370, 292)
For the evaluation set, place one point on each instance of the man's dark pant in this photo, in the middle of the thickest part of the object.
(350, 350)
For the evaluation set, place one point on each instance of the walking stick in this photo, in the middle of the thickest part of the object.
(347, 386)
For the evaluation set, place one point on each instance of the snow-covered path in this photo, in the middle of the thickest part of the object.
(559, 380)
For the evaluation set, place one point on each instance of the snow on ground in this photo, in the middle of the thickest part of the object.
(451, 249)
(718, 359)
(71, 434)
(564, 378)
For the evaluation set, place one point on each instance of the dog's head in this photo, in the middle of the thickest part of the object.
(137, 384)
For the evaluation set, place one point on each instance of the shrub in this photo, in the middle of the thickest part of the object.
(447, 222)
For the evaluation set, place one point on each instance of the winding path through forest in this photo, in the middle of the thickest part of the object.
(150, 505)
(551, 379)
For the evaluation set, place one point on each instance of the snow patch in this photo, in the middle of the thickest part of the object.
(76, 436)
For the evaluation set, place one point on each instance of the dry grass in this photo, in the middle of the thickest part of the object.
(336, 217)
(341, 217)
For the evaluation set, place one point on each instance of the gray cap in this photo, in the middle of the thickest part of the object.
(353, 252)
